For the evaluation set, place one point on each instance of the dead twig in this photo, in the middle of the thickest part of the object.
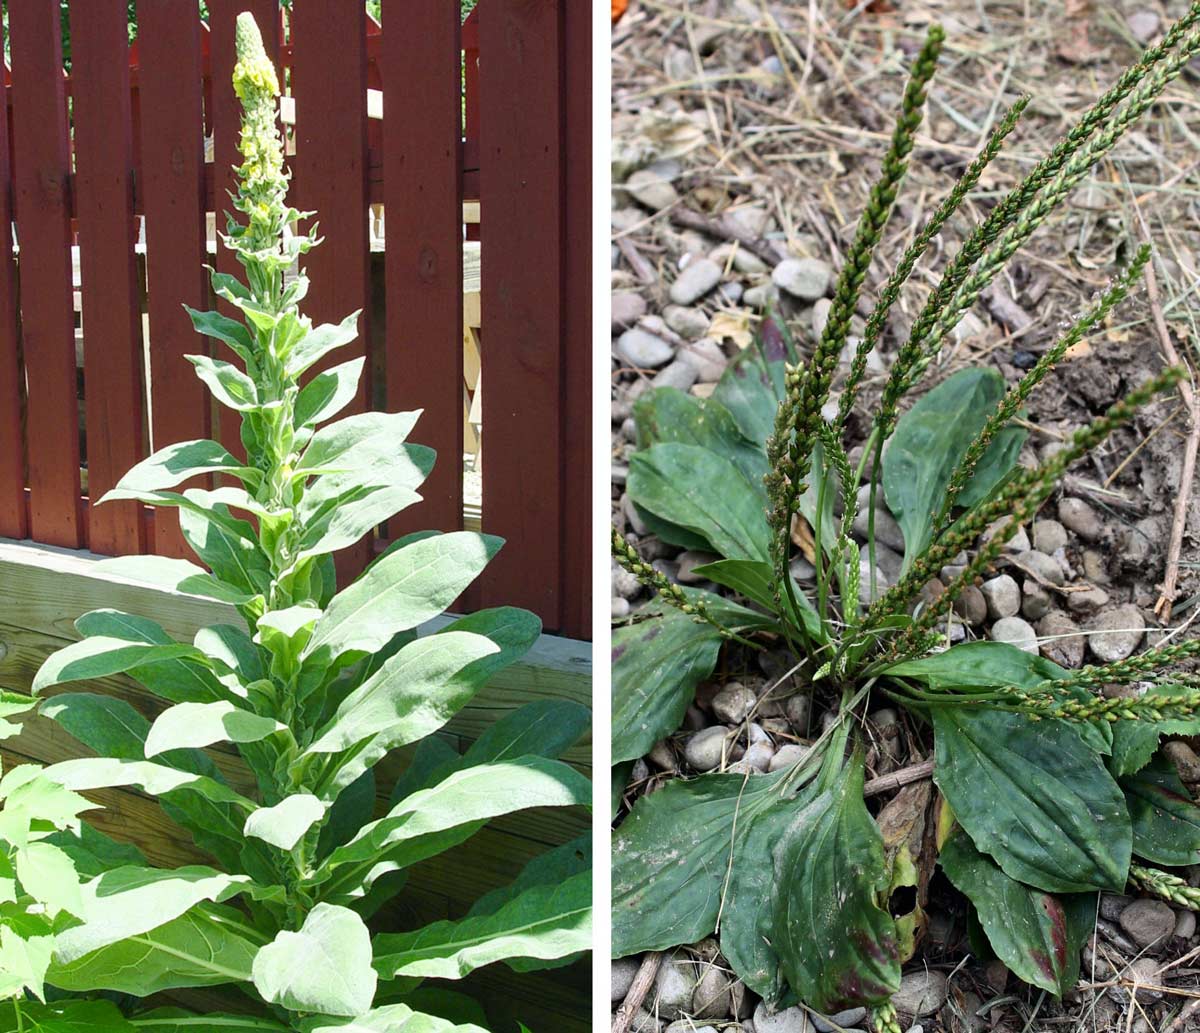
(637, 991)
(1168, 589)
(725, 228)
(897, 779)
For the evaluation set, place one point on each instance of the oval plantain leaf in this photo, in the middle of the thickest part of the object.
(746, 927)
(1035, 797)
(1037, 935)
(671, 854)
(656, 666)
(703, 493)
(1166, 821)
(830, 873)
(669, 414)
(994, 665)
(752, 386)
(930, 441)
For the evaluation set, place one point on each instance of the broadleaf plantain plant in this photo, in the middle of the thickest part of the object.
(314, 689)
(1051, 788)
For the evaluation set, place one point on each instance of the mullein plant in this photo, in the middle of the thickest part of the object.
(312, 685)
(1049, 790)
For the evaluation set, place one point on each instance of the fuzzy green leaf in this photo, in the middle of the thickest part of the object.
(207, 946)
(395, 1018)
(704, 493)
(127, 902)
(345, 519)
(174, 575)
(177, 463)
(194, 725)
(233, 333)
(1037, 935)
(320, 341)
(400, 591)
(65, 1017)
(328, 393)
(435, 819)
(325, 967)
(1035, 797)
(1166, 821)
(656, 666)
(228, 384)
(102, 656)
(285, 824)
(544, 922)
(833, 854)
(413, 694)
(930, 441)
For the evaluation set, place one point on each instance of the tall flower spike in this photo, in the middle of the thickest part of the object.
(796, 427)
(262, 181)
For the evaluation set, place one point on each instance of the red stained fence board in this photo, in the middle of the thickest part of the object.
(331, 178)
(13, 515)
(577, 323)
(423, 205)
(172, 190)
(112, 321)
(44, 235)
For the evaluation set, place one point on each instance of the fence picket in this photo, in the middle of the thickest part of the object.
(112, 318)
(14, 521)
(172, 189)
(43, 171)
(521, 198)
(423, 208)
(577, 322)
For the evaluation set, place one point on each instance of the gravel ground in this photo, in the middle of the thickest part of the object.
(746, 135)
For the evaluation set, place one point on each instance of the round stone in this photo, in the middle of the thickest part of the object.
(1035, 600)
(1002, 596)
(642, 349)
(1049, 536)
(1080, 518)
(1117, 633)
(1060, 640)
(971, 606)
(651, 188)
(1148, 922)
(1016, 631)
(787, 755)
(733, 703)
(623, 971)
(680, 374)
(921, 993)
(697, 278)
(627, 308)
(790, 1020)
(1040, 566)
(686, 321)
(803, 278)
(705, 750)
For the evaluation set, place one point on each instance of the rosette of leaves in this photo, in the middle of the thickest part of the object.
(1047, 788)
(314, 685)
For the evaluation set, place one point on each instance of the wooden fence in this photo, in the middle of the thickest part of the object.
(83, 156)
